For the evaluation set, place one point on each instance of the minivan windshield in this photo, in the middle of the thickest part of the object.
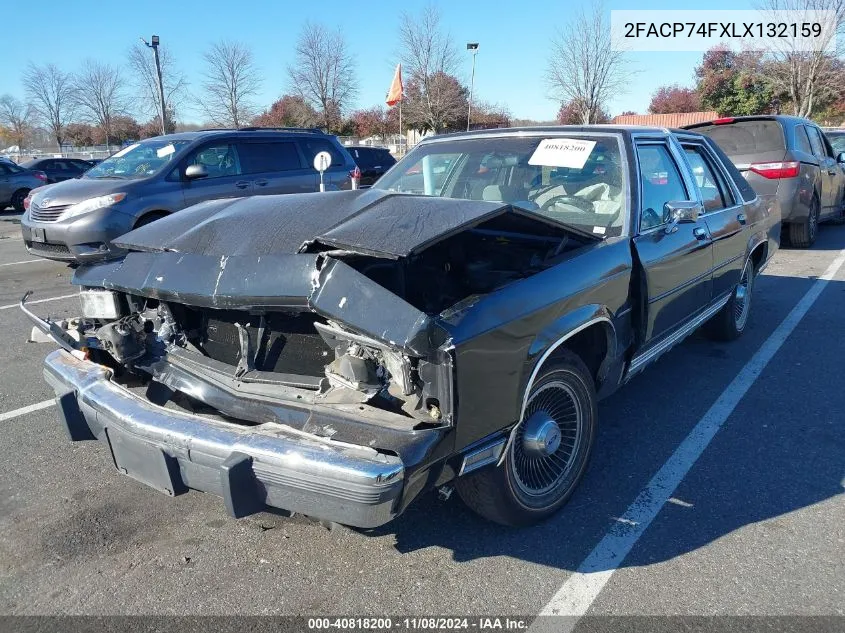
(577, 180)
(139, 160)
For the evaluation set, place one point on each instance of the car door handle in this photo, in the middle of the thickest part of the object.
(242, 184)
(700, 233)
(261, 182)
(741, 218)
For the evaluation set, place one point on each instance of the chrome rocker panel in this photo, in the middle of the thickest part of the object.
(251, 467)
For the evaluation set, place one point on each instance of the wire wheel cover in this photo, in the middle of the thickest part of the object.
(538, 474)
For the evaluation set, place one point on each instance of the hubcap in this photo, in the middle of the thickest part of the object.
(545, 447)
(742, 299)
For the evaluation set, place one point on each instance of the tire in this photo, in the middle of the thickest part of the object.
(803, 235)
(531, 484)
(730, 322)
(17, 199)
(839, 218)
(149, 219)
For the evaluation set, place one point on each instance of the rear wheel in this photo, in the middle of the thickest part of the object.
(803, 234)
(17, 199)
(729, 323)
(548, 453)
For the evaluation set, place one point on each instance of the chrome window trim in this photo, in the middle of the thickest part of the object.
(714, 160)
(683, 169)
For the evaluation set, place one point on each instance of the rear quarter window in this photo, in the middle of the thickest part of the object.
(312, 147)
(746, 137)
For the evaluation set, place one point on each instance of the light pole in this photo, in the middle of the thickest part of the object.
(471, 46)
(154, 46)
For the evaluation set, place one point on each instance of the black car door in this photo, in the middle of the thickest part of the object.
(676, 258)
(723, 214)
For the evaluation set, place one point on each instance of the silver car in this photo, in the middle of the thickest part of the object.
(16, 183)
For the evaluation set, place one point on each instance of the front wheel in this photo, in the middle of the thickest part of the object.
(17, 199)
(547, 455)
(729, 323)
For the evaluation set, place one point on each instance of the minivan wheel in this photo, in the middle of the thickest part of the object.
(803, 235)
(547, 455)
(729, 323)
(17, 199)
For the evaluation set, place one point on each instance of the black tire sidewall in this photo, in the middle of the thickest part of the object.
(20, 194)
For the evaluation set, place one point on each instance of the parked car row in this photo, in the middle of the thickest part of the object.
(77, 219)
(338, 355)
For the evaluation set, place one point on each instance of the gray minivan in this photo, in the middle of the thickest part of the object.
(789, 159)
(76, 220)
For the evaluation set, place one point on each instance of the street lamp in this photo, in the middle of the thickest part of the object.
(471, 46)
(154, 46)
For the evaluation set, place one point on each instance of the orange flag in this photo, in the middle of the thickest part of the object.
(394, 95)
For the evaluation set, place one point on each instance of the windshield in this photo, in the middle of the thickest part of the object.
(576, 180)
(139, 160)
(837, 139)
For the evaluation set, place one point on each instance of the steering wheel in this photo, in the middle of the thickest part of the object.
(573, 201)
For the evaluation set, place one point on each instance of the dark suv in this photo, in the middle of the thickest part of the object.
(372, 161)
(788, 159)
(76, 220)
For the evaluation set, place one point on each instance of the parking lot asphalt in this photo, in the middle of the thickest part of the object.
(755, 527)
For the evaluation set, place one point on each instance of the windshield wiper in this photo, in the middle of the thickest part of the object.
(109, 176)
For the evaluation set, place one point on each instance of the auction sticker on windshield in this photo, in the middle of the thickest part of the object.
(167, 150)
(562, 152)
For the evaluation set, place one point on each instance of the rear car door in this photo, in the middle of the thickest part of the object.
(723, 214)
(829, 171)
(275, 166)
(677, 260)
(225, 178)
(6, 184)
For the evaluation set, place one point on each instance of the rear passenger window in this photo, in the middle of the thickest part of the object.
(219, 160)
(259, 158)
(715, 193)
(312, 147)
(660, 182)
(816, 142)
(802, 143)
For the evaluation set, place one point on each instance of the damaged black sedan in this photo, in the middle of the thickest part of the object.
(339, 354)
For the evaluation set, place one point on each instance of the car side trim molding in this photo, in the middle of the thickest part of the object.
(539, 364)
(642, 359)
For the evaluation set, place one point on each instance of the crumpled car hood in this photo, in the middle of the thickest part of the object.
(368, 221)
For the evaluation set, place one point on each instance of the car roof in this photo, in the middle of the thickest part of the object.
(787, 119)
(247, 132)
(555, 130)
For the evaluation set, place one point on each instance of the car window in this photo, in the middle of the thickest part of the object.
(258, 158)
(715, 193)
(746, 137)
(138, 160)
(220, 160)
(575, 179)
(313, 146)
(660, 182)
(837, 141)
(802, 141)
(4, 170)
(816, 142)
(14, 169)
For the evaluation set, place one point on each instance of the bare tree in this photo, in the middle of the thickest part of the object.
(51, 93)
(175, 83)
(323, 72)
(99, 94)
(436, 98)
(583, 69)
(231, 84)
(16, 116)
(807, 78)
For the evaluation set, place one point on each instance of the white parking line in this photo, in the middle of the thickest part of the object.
(28, 261)
(15, 305)
(580, 590)
(27, 409)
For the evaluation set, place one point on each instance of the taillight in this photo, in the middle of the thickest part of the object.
(724, 121)
(774, 171)
(355, 173)
(40, 175)
(26, 202)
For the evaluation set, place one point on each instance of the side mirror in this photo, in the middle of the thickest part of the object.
(840, 157)
(195, 172)
(680, 212)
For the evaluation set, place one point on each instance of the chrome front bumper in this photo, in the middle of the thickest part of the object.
(249, 466)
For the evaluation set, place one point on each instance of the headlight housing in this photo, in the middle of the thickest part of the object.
(92, 204)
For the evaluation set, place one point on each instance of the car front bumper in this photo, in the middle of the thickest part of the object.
(251, 467)
(84, 238)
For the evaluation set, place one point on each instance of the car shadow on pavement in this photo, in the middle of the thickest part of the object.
(781, 450)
